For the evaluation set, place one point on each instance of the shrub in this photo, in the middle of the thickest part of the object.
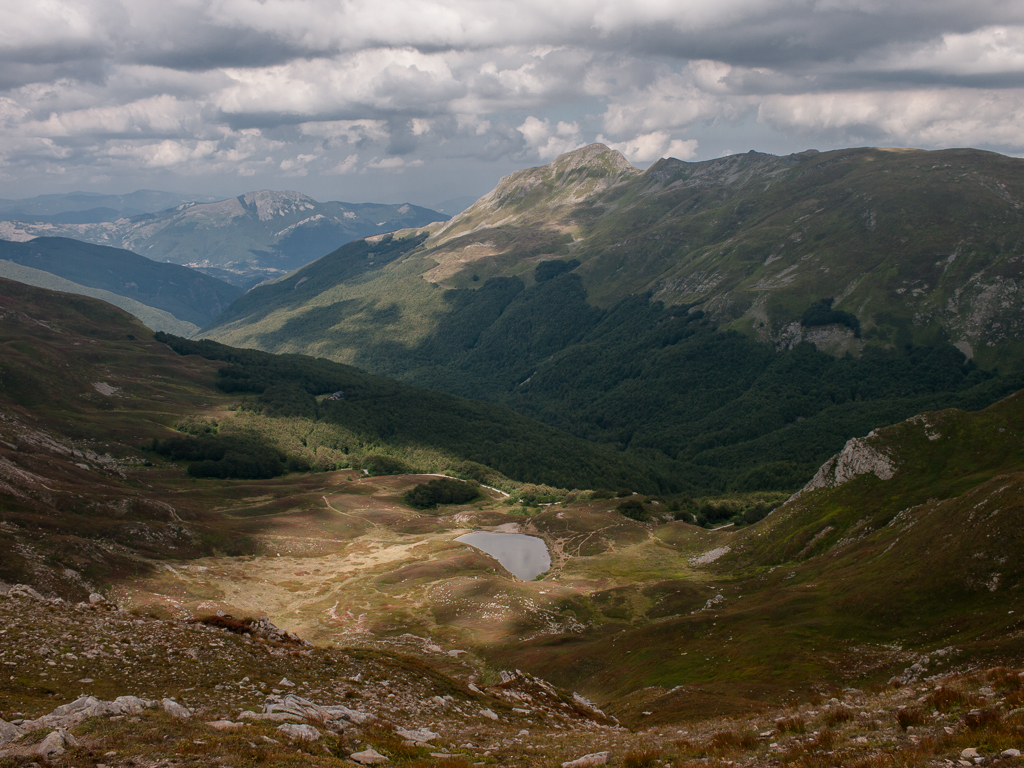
(385, 465)
(981, 718)
(641, 758)
(443, 490)
(907, 717)
(945, 699)
(821, 313)
(794, 724)
(634, 510)
(837, 715)
(726, 741)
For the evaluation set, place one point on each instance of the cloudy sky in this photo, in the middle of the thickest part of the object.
(423, 100)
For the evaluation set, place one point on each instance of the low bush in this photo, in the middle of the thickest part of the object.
(634, 510)
(641, 758)
(908, 716)
(443, 490)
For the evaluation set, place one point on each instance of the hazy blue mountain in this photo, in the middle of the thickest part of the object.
(244, 239)
(185, 293)
(99, 207)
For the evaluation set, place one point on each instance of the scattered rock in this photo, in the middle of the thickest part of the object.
(224, 725)
(24, 590)
(421, 735)
(596, 758)
(70, 715)
(174, 709)
(9, 732)
(368, 757)
(96, 599)
(969, 753)
(286, 683)
(1010, 753)
(299, 732)
(55, 744)
(488, 714)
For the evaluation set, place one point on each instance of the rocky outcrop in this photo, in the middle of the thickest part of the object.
(70, 715)
(857, 458)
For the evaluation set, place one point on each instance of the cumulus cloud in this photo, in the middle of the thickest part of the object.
(652, 146)
(550, 141)
(274, 88)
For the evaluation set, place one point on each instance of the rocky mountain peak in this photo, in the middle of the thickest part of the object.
(594, 156)
(269, 203)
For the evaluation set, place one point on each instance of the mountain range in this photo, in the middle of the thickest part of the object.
(94, 207)
(732, 321)
(243, 240)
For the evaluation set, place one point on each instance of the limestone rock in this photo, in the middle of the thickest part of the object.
(9, 732)
(24, 590)
(969, 753)
(421, 734)
(174, 709)
(368, 757)
(857, 458)
(55, 744)
(1010, 753)
(488, 714)
(595, 758)
(224, 725)
(299, 732)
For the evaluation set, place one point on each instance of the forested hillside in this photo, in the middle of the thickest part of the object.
(731, 322)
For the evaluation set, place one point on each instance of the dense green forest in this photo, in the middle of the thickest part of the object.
(710, 410)
(477, 435)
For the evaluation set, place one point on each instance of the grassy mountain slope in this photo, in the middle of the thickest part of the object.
(838, 584)
(917, 245)
(244, 239)
(712, 410)
(585, 293)
(184, 293)
(845, 585)
(153, 318)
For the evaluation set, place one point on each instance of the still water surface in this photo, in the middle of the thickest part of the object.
(525, 556)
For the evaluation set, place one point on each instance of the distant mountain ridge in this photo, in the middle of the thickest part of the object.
(244, 239)
(90, 206)
(186, 294)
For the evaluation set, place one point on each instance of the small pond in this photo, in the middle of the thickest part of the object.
(525, 556)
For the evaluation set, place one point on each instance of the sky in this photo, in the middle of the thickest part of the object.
(424, 100)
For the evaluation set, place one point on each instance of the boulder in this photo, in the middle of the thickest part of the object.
(595, 758)
(55, 744)
(368, 757)
(9, 732)
(299, 732)
(224, 725)
(174, 709)
(422, 735)
(24, 590)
